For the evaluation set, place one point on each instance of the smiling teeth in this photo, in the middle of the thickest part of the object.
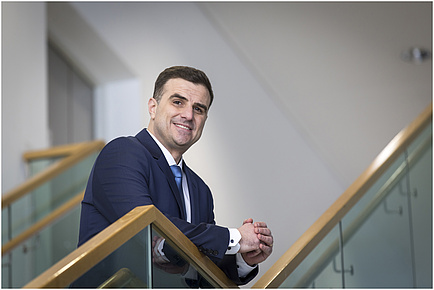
(182, 126)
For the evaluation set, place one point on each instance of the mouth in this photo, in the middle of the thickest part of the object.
(185, 127)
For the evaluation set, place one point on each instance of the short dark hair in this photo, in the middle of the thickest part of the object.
(190, 74)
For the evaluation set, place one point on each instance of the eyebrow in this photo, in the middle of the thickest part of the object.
(185, 99)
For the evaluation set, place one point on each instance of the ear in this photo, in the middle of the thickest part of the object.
(152, 107)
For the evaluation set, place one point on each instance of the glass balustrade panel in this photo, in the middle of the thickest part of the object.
(31, 208)
(129, 266)
(22, 205)
(15, 261)
(377, 233)
(420, 187)
(36, 166)
(39, 203)
(40, 252)
(375, 237)
(174, 272)
(5, 225)
(377, 245)
(318, 269)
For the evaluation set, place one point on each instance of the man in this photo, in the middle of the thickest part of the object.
(135, 171)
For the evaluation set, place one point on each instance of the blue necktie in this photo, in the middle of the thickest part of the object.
(178, 177)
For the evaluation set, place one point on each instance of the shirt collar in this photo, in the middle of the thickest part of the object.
(169, 158)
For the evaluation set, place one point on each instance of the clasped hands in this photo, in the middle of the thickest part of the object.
(256, 243)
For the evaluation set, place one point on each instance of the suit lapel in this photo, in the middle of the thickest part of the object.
(148, 142)
(194, 195)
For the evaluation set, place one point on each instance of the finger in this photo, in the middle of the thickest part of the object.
(268, 240)
(260, 224)
(267, 250)
(248, 221)
(264, 231)
(266, 245)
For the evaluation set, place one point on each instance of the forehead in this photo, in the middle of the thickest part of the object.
(189, 90)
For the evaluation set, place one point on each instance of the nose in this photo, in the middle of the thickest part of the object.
(187, 113)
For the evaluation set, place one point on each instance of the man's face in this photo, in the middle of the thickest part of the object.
(178, 119)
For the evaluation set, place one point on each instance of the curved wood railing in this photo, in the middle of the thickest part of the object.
(328, 254)
(92, 252)
(38, 226)
(286, 264)
(73, 154)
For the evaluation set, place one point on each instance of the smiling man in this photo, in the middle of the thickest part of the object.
(142, 170)
(178, 115)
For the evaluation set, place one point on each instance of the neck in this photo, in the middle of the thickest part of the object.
(176, 154)
(176, 157)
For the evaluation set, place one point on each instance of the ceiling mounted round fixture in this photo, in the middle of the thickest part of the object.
(416, 55)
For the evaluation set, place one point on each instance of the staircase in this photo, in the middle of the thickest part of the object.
(377, 234)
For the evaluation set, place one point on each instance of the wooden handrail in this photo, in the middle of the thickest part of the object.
(96, 249)
(369, 209)
(57, 151)
(290, 260)
(190, 253)
(37, 227)
(124, 278)
(75, 153)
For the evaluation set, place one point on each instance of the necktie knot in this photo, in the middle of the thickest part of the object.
(176, 171)
(178, 176)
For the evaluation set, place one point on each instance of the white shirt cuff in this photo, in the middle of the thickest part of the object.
(234, 239)
(159, 250)
(243, 267)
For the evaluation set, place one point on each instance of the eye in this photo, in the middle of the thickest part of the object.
(177, 102)
(199, 110)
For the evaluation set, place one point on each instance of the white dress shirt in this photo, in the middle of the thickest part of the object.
(234, 234)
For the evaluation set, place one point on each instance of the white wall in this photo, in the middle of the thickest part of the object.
(255, 162)
(24, 87)
(118, 110)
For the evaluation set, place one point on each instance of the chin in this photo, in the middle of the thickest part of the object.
(185, 144)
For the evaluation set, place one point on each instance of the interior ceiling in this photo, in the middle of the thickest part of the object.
(334, 69)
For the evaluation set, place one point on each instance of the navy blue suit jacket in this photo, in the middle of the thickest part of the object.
(131, 172)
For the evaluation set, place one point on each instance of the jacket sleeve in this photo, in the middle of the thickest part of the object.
(123, 178)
